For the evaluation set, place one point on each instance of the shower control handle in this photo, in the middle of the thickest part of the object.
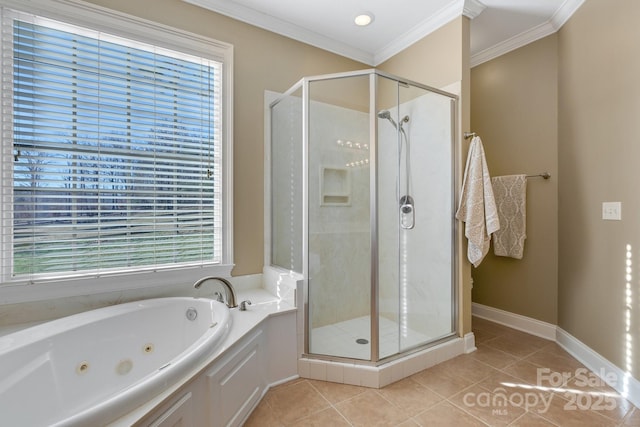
(407, 213)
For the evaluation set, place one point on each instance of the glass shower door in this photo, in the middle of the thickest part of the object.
(426, 249)
(339, 227)
(415, 202)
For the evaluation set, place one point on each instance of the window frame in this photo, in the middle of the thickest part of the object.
(82, 14)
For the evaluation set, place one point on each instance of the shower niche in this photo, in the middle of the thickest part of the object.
(335, 186)
(361, 177)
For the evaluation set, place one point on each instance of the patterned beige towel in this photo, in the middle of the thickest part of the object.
(511, 198)
(477, 207)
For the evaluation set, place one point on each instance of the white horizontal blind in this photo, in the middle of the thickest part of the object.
(116, 154)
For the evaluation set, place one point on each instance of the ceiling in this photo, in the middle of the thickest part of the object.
(497, 26)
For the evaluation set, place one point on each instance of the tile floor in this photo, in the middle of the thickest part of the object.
(513, 379)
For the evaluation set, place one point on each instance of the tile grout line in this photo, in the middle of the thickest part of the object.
(331, 405)
(545, 349)
(555, 359)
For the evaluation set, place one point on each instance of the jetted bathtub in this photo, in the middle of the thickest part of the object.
(92, 367)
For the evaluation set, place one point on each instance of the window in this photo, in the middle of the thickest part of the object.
(113, 155)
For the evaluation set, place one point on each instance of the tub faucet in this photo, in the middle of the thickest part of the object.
(228, 289)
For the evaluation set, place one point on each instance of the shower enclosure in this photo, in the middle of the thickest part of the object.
(362, 205)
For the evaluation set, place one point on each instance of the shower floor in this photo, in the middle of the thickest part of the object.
(339, 339)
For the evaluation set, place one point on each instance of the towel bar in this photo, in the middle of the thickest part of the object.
(544, 175)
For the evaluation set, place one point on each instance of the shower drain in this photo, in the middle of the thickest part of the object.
(362, 341)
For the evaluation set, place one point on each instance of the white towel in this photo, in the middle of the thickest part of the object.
(511, 198)
(477, 205)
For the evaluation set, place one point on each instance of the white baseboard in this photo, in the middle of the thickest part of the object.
(621, 381)
(279, 382)
(516, 321)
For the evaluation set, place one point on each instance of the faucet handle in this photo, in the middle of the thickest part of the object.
(244, 304)
(219, 297)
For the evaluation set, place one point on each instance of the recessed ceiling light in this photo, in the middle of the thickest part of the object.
(363, 19)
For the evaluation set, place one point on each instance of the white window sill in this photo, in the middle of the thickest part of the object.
(19, 293)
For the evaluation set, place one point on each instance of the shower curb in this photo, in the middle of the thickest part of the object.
(385, 374)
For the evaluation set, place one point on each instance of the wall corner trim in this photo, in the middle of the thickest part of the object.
(472, 8)
(516, 321)
(469, 343)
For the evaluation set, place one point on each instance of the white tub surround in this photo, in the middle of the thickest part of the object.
(223, 387)
(14, 317)
(223, 354)
(85, 368)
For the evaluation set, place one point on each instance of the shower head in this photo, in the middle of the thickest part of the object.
(385, 114)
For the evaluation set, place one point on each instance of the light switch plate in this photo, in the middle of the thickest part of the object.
(612, 211)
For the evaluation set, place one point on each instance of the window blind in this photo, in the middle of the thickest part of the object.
(116, 156)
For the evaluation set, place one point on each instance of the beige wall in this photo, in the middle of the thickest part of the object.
(263, 60)
(436, 60)
(514, 102)
(599, 103)
(597, 89)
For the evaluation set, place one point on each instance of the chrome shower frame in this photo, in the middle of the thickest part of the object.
(303, 85)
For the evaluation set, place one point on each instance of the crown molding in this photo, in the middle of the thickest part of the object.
(456, 8)
(559, 18)
(284, 28)
(420, 31)
(564, 12)
(250, 16)
(472, 8)
(512, 43)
